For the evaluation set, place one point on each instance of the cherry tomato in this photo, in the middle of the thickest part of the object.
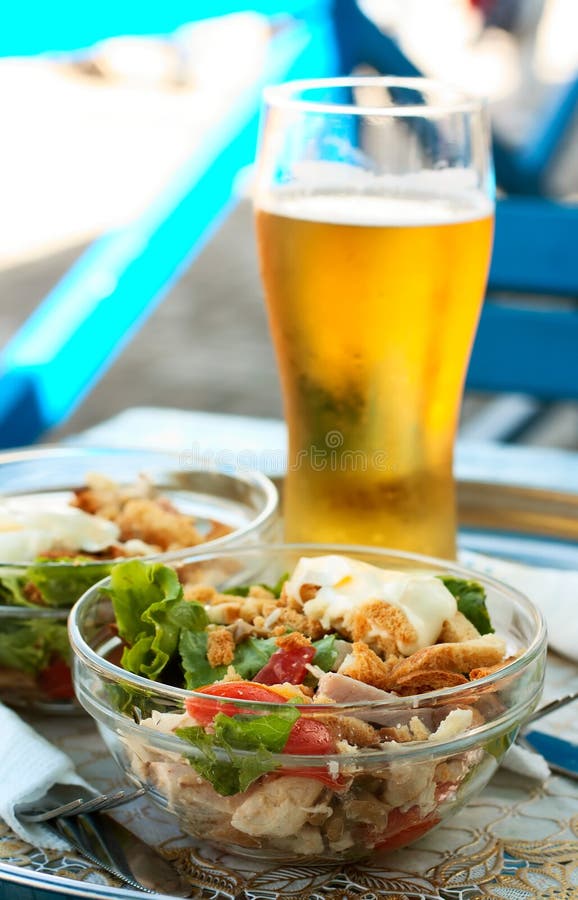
(204, 711)
(286, 666)
(308, 736)
(404, 828)
(55, 681)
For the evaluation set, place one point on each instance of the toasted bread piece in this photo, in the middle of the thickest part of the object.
(290, 618)
(148, 521)
(458, 629)
(482, 671)
(383, 626)
(455, 657)
(427, 680)
(308, 592)
(415, 730)
(202, 593)
(293, 641)
(350, 729)
(365, 665)
(220, 647)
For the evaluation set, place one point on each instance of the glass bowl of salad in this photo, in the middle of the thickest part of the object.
(68, 515)
(304, 701)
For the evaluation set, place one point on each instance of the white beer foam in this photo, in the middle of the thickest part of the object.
(348, 195)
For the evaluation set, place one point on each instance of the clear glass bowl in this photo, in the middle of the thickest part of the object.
(33, 594)
(331, 807)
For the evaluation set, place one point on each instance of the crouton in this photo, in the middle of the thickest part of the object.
(365, 665)
(146, 520)
(350, 729)
(482, 671)
(293, 641)
(456, 657)
(427, 680)
(220, 647)
(458, 629)
(383, 627)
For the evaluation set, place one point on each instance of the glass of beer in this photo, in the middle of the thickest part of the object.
(374, 216)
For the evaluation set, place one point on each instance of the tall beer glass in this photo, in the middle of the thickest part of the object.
(374, 213)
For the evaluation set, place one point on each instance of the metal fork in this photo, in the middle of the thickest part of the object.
(560, 746)
(72, 800)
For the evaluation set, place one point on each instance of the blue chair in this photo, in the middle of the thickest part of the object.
(529, 344)
(83, 324)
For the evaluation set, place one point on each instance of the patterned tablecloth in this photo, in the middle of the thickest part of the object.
(517, 841)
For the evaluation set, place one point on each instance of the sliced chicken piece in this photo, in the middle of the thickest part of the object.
(343, 689)
(278, 808)
(307, 842)
(338, 688)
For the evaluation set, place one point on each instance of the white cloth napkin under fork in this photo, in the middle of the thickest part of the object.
(29, 766)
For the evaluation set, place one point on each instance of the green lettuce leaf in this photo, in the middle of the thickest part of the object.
(134, 587)
(31, 645)
(228, 772)
(325, 652)
(59, 585)
(250, 656)
(151, 615)
(471, 599)
(247, 732)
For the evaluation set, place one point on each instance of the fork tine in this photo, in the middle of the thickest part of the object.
(104, 801)
(51, 813)
(77, 807)
(121, 798)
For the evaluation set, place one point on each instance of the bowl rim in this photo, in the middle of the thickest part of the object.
(103, 667)
(249, 477)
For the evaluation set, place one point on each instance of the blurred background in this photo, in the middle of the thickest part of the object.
(95, 135)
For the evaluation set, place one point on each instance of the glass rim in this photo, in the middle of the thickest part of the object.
(100, 664)
(282, 96)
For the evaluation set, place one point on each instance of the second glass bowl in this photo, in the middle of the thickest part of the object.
(35, 595)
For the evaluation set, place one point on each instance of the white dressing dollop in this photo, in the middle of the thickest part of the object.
(346, 585)
(29, 530)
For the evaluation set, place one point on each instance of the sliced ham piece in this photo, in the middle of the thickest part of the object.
(343, 689)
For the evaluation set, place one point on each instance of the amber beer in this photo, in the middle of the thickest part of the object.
(373, 305)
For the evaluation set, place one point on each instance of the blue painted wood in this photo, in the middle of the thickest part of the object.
(536, 247)
(89, 317)
(521, 345)
(534, 351)
(64, 26)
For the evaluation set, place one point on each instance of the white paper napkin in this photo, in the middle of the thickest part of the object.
(553, 591)
(29, 766)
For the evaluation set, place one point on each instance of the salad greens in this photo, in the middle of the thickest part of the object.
(57, 585)
(471, 598)
(250, 656)
(325, 652)
(228, 772)
(164, 633)
(31, 645)
(150, 614)
(160, 627)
